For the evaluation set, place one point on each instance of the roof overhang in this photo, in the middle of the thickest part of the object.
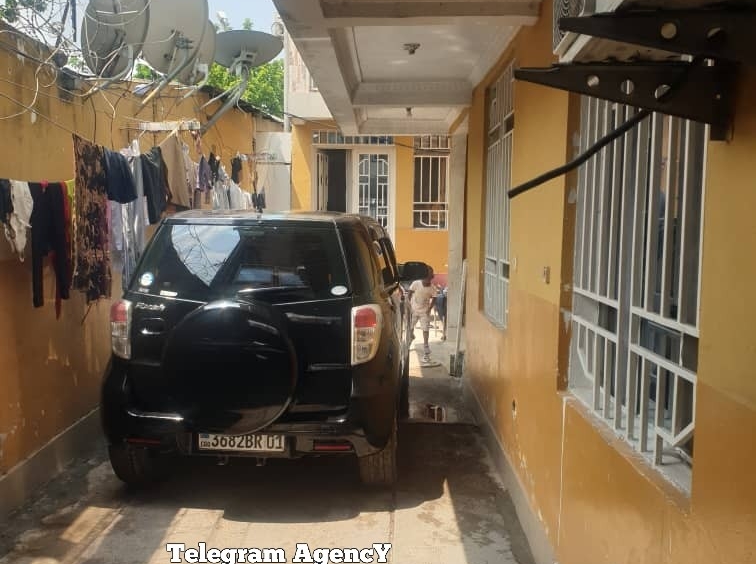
(356, 51)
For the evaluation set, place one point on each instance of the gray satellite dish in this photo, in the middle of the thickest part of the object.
(112, 34)
(199, 70)
(173, 38)
(240, 51)
(254, 48)
(175, 33)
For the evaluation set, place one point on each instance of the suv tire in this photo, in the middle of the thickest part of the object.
(133, 466)
(379, 469)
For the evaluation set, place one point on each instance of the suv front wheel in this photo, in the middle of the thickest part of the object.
(379, 469)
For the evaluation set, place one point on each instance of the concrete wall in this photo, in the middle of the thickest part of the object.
(50, 369)
(594, 499)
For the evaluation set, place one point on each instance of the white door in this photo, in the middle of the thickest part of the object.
(321, 203)
(374, 186)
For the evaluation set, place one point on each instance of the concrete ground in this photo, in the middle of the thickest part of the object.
(447, 507)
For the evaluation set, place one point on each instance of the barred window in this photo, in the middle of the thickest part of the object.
(430, 208)
(637, 281)
(500, 129)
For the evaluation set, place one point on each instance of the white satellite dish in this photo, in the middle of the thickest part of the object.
(112, 34)
(174, 34)
(199, 70)
(240, 51)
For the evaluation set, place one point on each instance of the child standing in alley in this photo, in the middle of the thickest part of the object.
(422, 295)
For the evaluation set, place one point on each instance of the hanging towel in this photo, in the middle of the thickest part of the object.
(173, 156)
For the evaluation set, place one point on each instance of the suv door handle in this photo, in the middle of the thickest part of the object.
(152, 326)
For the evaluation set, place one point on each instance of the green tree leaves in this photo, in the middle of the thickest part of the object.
(9, 8)
(265, 88)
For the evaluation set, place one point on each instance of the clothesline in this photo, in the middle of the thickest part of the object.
(106, 209)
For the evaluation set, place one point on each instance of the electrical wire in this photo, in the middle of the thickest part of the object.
(604, 141)
(582, 158)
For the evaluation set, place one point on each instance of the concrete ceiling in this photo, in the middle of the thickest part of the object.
(355, 52)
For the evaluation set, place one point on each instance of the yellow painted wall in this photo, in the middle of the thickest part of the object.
(411, 244)
(430, 246)
(302, 167)
(597, 500)
(50, 369)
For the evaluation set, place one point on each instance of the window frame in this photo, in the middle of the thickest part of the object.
(642, 343)
(499, 139)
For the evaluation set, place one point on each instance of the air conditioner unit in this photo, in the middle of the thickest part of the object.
(566, 9)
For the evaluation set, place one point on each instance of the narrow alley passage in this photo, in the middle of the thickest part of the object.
(447, 506)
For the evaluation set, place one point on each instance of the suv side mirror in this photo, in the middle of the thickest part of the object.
(411, 271)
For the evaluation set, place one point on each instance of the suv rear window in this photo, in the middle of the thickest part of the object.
(210, 262)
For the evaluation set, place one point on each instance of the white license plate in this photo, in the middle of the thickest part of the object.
(243, 443)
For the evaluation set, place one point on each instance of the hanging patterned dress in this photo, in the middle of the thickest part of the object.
(92, 274)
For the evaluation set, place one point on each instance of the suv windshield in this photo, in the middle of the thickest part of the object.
(210, 262)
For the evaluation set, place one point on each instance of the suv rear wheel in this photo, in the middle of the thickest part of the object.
(134, 466)
(379, 469)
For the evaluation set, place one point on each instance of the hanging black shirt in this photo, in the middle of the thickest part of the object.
(6, 201)
(156, 189)
(236, 168)
(120, 180)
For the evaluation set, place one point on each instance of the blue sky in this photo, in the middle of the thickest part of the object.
(261, 12)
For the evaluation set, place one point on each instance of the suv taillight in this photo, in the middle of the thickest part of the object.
(367, 321)
(120, 328)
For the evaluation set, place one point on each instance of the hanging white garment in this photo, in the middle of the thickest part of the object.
(236, 195)
(15, 231)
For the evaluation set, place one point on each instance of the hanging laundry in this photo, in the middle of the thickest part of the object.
(136, 216)
(205, 175)
(22, 204)
(214, 163)
(236, 197)
(92, 268)
(71, 222)
(174, 160)
(48, 237)
(236, 168)
(156, 186)
(6, 202)
(120, 181)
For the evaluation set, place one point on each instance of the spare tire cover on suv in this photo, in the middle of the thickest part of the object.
(231, 367)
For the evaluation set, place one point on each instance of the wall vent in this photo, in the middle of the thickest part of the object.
(568, 8)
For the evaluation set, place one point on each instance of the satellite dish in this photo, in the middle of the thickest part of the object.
(173, 38)
(112, 33)
(240, 51)
(254, 47)
(199, 70)
(174, 34)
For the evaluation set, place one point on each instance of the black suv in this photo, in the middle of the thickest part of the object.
(260, 336)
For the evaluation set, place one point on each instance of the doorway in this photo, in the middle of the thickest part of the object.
(332, 180)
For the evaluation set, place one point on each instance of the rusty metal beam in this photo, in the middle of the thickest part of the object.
(722, 33)
(695, 92)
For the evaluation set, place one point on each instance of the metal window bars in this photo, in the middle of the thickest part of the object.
(637, 277)
(498, 182)
(334, 137)
(430, 207)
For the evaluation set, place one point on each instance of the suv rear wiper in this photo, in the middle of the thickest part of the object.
(248, 291)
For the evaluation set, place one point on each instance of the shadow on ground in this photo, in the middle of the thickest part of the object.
(446, 502)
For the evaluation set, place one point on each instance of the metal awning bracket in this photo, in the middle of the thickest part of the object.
(703, 93)
(718, 33)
